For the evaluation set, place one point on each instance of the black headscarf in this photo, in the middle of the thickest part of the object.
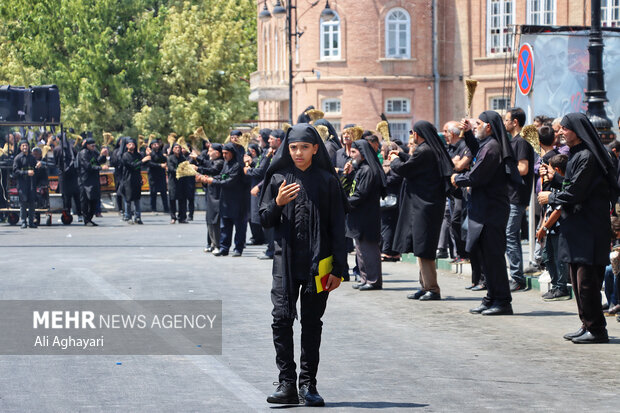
(217, 147)
(232, 148)
(303, 118)
(255, 147)
(501, 136)
(583, 128)
(371, 158)
(264, 134)
(427, 131)
(21, 142)
(278, 133)
(302, 132)
(332, 131)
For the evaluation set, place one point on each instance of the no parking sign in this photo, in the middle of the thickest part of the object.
(525, 69)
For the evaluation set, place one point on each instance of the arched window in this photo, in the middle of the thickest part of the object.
(330, 38)
(398, 34)
(266, 49)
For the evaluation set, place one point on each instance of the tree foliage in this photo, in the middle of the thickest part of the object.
(135, 66)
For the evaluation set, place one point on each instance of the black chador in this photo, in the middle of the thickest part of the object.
(132, 180)
(233, 200)
(363, 222)
(488, 208)
(422, 203)
(64, 155)
(332, 143)
(88, 165)
(157, 176)
(586, 191)
(307, 229)
(24, 172)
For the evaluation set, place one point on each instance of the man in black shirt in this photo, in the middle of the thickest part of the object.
(519, 195)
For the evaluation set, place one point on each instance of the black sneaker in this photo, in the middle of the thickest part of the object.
(309, 396)
(286, 393)
(515, 286)
(137, 221)
(556, 295)
(442, 253)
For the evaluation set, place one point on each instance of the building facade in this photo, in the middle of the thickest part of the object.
(376, 57)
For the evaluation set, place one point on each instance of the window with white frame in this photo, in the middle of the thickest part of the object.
(397, 34)
(500, 18)
(499, 103)
(331, 105)
(610, 13)
(399, 129)
(541, 12)
(397, 105)
(330, 38)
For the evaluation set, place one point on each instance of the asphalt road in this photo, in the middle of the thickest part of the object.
(380, 351)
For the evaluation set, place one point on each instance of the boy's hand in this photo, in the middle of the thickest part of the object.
(333, 282)
(543, 197)
(287, 193)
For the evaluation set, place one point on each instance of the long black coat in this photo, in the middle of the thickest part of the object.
(89, 165)
(67, 177)
(488, 204)
(256, 175)
(157, 174)
(363, 221)
(212, 168)
(25, 184)
(585, 223)
(117, 162)
(132, 178)
(421, 204)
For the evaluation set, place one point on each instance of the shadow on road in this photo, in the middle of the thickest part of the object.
(544, 313)
(360, 405)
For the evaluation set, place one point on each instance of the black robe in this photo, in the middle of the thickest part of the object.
(67, 175)
(177, 188)
(117, 163)
(89, 165)
(25, 184)
(422, 202)
(256, 175)
(585, 223)
(234, 190)
(157, 174)
(212, 168)
(363, 221)
(488, 204)
(132, 178)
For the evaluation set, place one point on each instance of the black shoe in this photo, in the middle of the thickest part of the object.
(90, 224)
(532, 269)
(416, 295)
(556, 294)
(479, 287)
(589, 338)
(369, 287)
(499, 310)
(220, 253)
(469, 287)
(431, 296)
(137, 221)
(441, 253)
(24, 225)
(183, 221)
(265, 257)
(286, 393)
(578, 333)
(515, 286)
(236, 254)
(358, 285)
(208, 249)
(33, 225)
(309, 396)
(479, 309)
(190, 218)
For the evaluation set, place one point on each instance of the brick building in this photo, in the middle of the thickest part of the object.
(377, 57)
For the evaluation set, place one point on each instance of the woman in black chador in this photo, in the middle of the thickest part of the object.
(24, 170)
(585, 194)
(303, 201)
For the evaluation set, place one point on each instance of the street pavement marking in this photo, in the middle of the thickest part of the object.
(210, 365)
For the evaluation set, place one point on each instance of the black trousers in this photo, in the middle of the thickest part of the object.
(269, 233)
(164, 200)
(89, 206)
(587, 281)
(389, 218)
(258, 235)
(312, 309)
(492, 247)
(226, 230)
(475, 259)
(456, 212)
(182, 209)
(190, 203)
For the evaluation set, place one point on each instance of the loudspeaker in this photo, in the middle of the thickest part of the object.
(44, 104)
(13, 103)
